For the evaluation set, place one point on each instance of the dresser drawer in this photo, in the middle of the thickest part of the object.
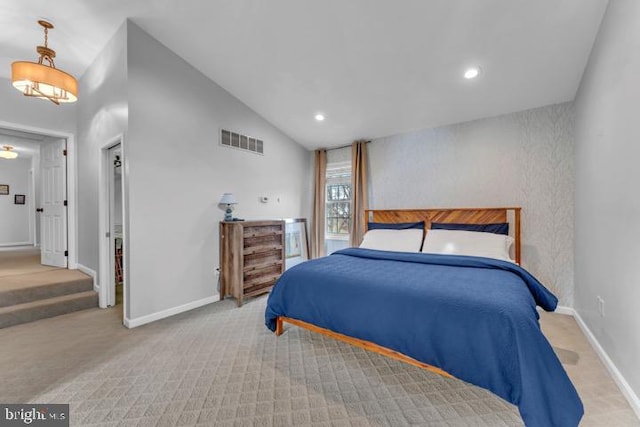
(262, 258)
(262, 240)
(269, 277)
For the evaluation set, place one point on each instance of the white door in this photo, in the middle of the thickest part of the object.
(53, 217)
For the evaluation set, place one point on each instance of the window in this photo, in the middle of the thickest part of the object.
(338, 201)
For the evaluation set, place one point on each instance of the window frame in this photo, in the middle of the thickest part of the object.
(338, 173)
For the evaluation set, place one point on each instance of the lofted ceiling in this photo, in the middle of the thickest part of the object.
(373, 68)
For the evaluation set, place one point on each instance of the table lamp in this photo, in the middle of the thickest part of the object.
(228, 199)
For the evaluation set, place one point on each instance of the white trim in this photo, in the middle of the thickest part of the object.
(72, 197)
(15, 248)
(124, 182)
(106, 272)
(16, 244)
(622, 384)
(90, 272)
(563, 309)
(139, 321)
(72, 184)
(336, 237)
(31, 205)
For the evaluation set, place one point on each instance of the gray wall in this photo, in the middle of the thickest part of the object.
(16, 108)
(178, 171)
(102, 115)
(607, 246)
(522, 159)
(14, 226)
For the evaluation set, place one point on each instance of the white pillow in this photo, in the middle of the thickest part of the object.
(393, 240)
(474, 243)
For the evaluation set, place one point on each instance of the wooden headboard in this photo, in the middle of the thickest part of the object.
(455, 215)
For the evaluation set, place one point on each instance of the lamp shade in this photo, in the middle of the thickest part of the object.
(228, 199)
(42, 81)
(7, 153)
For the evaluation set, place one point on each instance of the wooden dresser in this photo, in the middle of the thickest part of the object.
(251, 257)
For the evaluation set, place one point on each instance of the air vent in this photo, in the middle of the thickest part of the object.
(241, 142)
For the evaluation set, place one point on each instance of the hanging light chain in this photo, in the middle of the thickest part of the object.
(33, 78)
(45, 52)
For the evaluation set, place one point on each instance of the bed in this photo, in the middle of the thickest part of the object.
(471, 317)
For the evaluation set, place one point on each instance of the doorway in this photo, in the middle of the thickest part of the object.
(112, 230)
(35, 205)
(30, 290)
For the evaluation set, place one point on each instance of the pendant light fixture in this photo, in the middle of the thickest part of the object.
(44, 81)
(6, 152)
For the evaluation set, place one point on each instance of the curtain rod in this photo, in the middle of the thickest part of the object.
(343, 146)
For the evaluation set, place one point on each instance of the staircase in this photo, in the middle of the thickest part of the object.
(39, 295)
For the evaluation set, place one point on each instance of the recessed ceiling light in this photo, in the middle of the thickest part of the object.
(472, 73)
(320, 117)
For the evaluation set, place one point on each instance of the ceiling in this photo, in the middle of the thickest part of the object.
(374, 68)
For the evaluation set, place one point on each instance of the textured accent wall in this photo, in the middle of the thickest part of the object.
(521, 159)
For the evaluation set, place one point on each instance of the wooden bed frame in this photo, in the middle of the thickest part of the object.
(454, 215)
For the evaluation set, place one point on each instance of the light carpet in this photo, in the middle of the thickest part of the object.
(218, 365)
(21, 260)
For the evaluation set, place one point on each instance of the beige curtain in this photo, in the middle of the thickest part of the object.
(359, 195)
(317, 219)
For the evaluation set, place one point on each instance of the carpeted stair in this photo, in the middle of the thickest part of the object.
(34, 296)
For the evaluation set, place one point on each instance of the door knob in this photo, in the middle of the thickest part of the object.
(39, 210)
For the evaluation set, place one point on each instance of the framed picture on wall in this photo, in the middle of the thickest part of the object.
(295, 241)
(19, 199)
(4, 189)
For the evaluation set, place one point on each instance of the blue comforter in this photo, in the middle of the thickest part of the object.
(473, 317)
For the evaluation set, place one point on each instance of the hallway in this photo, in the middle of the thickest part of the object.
(21, 260)
(30, 291)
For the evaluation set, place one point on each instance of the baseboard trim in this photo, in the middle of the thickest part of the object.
(622, 384)
(92, 273)
(3, 245)
(563, 309)
(143, 320)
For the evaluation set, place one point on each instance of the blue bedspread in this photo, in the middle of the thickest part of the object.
(473, 317)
